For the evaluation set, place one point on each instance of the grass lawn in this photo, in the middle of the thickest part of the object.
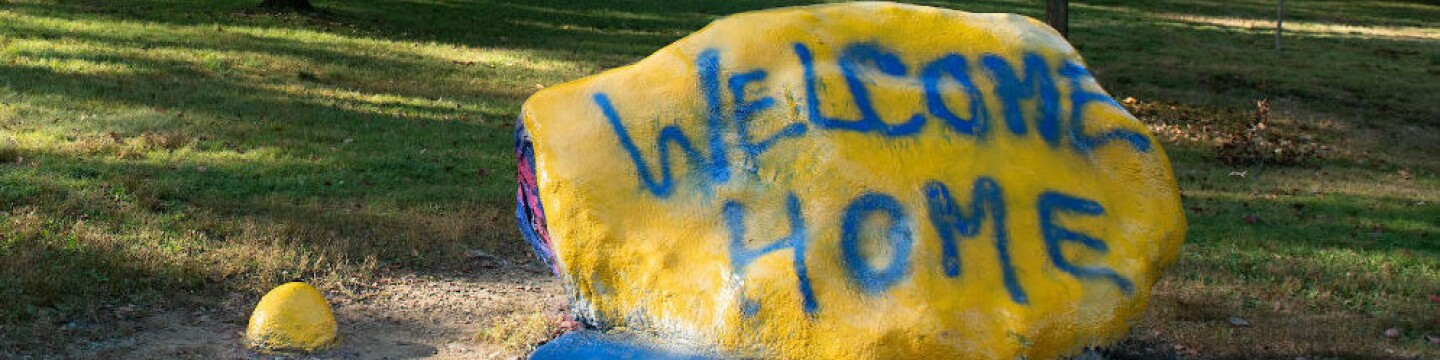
(172, 152)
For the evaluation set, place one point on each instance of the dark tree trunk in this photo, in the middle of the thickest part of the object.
(288, 4)
(1057, 14)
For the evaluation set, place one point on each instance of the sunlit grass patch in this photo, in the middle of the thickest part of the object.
(1312, 28)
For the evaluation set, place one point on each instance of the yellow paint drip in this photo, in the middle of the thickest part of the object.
(865, 180)
(292, 317)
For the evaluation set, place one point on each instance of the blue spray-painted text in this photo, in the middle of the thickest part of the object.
(1034, 85)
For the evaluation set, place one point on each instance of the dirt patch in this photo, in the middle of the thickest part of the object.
(397, 316)
(475, 314)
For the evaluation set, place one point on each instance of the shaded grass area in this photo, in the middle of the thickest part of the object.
(151, 150)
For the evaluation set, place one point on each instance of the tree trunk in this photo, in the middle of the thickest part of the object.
(288, 4)
(1057, 14)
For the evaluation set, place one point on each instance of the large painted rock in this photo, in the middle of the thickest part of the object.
(866, 180)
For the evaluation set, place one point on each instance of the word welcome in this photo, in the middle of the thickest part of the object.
(1033, 84)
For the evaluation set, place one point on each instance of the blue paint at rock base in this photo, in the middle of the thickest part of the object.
(581, 345)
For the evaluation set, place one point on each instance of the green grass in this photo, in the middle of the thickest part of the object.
(150, 150)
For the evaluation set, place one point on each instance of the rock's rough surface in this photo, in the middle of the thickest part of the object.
(864, 180)
(293, 317)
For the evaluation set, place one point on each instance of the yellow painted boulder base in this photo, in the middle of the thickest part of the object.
(292, 317)
(866, 180)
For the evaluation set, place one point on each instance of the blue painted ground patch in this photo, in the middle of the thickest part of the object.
(582, 345)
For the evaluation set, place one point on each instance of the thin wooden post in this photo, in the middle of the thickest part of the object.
(1057, 14)
(1279, 21)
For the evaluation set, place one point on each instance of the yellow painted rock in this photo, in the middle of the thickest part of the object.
(866, 180)
(292, 317)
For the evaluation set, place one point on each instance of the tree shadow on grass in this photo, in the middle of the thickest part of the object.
(261, 185)
(1311, 275)
(611, 34)
(169, 247)
(606, 33)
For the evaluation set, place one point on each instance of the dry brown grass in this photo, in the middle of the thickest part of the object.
(521, 330)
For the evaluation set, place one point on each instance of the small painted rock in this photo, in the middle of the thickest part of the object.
(293, 317)
(866, 180)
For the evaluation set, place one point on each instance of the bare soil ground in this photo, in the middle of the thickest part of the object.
(492, 314)
(488, 312)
